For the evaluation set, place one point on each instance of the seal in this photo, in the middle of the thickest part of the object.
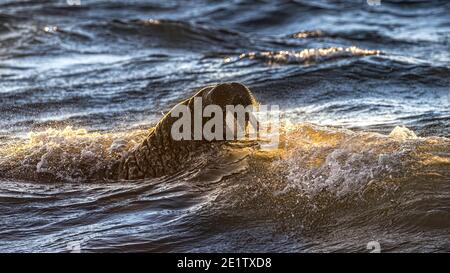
(159, 154)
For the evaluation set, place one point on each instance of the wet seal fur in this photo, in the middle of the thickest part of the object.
(159, 154)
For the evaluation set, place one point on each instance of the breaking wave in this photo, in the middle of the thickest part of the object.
(312, 158)
(308, 56)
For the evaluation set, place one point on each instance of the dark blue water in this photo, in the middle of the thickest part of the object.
(80, 83)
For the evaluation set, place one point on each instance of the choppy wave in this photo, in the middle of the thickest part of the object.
(329, 179)
(67, 154)
(316, 171)
(80, 85)
(314, 158)
(312, 55)
(345, 162)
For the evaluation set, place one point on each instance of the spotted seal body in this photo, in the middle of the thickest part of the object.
(159, 154)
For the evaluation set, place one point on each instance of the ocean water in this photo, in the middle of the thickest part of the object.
(365, 90)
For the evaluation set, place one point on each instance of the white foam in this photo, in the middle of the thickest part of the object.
(309, 55)
(401, 133)
(68, 154)
(345, 162)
